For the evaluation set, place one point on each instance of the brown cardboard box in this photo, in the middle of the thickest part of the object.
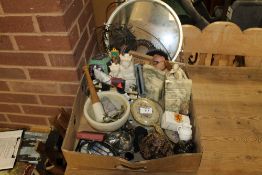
(79, 161)
(222, 41)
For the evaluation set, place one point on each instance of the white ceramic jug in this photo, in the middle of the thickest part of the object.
(185, 132)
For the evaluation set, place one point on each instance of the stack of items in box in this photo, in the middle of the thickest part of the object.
(142, 107)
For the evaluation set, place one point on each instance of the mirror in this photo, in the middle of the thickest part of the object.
(145, 25)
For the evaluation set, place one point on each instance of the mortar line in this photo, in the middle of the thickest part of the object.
(13, 41)
(7, 118)
(1, 10)
(47, 59)
(26, 73)
(36, 105)
(36, 51)
(21, 108)
(35, 24)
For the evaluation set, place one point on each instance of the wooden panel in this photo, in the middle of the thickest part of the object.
(224, 38)
(253, 61)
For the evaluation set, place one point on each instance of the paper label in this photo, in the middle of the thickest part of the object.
(9, 144)
(146, 110)
(177, 95)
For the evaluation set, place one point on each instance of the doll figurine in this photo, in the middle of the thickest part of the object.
(160, 59)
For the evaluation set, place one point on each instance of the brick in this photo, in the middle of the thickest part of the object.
(5, 43)
(2, 118)
(11, 24)
(9, 108)
(69, 88)
(26, 119)
(12, 73)
(18, 98)
(90, 47)
(51, 23)
(34, 6)
(22, 59)
(57, 100)
(81, 45)
(55, 75)
(34, 87)
(3, 86)
(72, 13)
(80, 67)
(40, 110)
(83, 19)
(44, 43)
(60, 23)
(53, 119)
(73, 36)
(62, 60)
(14, 126)
(92, 25)
(65, 3)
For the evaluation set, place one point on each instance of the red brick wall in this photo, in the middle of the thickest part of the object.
(43, 44)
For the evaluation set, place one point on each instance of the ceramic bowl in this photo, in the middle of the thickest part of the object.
(118, 100)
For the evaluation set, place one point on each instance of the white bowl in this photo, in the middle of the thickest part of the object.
(116, 99)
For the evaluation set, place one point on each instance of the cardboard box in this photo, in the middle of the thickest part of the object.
(223, 40)
(80, 161)
(176, 163)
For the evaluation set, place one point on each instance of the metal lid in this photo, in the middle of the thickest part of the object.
(146, 112)
(152, 20)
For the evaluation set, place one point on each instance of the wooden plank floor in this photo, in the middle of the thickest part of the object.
(228, 106)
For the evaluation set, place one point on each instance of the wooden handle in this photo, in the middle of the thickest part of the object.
(90, 85)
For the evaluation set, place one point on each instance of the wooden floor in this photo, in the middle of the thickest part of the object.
(228, 106)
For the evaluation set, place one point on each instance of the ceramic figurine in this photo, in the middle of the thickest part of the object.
(172, 136)
(99, 61)
(102, 77)
(185, 132)
(119, 83)
(124, 70)
(115, 56)
(160, 59)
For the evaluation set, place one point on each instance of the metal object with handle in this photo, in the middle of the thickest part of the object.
(151, 20)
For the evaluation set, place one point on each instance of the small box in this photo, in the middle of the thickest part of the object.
(171, 120)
